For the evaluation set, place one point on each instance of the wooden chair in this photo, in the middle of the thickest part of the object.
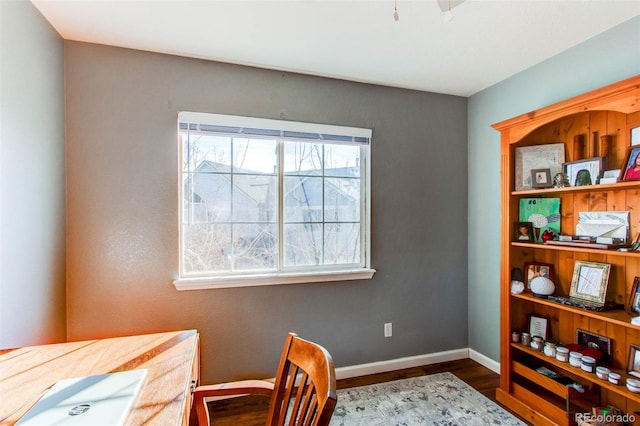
(304, 389)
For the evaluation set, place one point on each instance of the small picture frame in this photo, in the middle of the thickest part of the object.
(590, 281)
(594, 341)
(537, 269)
(523, 232)
(633, 304)
(539, 326)
(594, 165)
(630, 166)
(541, 178)
(634, 134)
(549, 156)
(633, 363)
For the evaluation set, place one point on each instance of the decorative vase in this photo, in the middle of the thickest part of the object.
(542, 287)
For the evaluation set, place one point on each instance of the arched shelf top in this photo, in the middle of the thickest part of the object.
(623, 96)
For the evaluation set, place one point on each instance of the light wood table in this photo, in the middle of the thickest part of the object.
(164, 399)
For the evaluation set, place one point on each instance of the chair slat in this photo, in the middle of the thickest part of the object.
(309, 403)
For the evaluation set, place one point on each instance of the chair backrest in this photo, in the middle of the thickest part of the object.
(305, 389)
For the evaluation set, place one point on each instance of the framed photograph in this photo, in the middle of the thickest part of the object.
(536, 269)
(633, 304)
(590, 281)
(633, 364)
(591, 340)
(547, 156)
(574, 170)
(631, 165)
(635, 135)
(541, 178)
(543, 213)
(523, 231)
(539, 326)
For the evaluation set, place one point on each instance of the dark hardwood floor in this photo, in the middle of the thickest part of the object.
(251, 410)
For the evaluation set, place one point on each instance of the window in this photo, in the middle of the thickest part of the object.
(271, 202)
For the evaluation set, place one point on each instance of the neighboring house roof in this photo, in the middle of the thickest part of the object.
(211, 182)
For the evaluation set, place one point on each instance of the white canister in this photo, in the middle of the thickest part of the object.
(588, 364)
(575, 359)
(562, 354)
(602, 373)
(537, 343)
(549, 349)
(614, 378)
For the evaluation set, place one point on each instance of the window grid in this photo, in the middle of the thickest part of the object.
(278, 217)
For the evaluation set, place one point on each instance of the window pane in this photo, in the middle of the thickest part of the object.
(302, 245)
(206, 248)
(254, 155)
(254, 247)
(207, 197)
(302, 158)
(302, 199)
(342, 200)
(342, 160)
(254, 198)
(205, 152)
(342, 243)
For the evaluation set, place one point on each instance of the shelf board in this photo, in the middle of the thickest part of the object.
(587, 188)
(620, 389)
(617, 316)
(542, 246)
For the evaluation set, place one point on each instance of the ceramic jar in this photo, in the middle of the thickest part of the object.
(614, 378)
(588, 364)
(550, 349)
(562, 354)
(602, 373)
(537, 343)
(575, 359)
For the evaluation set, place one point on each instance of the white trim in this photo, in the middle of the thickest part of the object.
(407, 362)
(339, 273)
(270, 279)
(270, 124)
(485, 361)
(400, 363)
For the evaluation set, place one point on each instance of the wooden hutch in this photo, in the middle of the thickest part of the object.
(610, 111)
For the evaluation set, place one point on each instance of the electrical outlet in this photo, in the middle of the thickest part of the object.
(388, 329)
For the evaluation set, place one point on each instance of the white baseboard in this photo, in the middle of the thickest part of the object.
(485, 361)
(416, 361)
(400, 363)
(407, 362)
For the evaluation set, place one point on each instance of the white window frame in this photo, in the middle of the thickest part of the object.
(309, 275)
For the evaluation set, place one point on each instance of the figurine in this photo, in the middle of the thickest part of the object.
(560, 180)
(548, 234)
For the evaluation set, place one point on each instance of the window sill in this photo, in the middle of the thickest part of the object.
(271, 279)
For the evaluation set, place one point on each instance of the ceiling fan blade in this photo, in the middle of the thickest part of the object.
(444, 4)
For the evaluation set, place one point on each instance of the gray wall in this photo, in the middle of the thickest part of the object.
(604, 59)
(32, 198)
(122, 171)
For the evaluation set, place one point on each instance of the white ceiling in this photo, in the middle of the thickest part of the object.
(486, 42)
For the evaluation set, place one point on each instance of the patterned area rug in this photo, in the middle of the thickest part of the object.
(438, 399)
